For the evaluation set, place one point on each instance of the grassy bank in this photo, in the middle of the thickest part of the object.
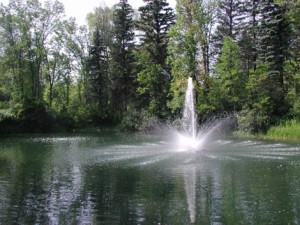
(287, 130)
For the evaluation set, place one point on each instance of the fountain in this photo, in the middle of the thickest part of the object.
(189, 120)
(188, 137)
(191, 137)
(190, 141)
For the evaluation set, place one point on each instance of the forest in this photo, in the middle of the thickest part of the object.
(129, 67)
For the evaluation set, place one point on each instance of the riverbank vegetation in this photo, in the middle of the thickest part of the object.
(287, 130)
(129, 67)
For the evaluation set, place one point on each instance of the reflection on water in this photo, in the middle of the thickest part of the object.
(142, 179)
(190, 190)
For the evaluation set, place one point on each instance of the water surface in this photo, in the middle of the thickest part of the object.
(145, 179)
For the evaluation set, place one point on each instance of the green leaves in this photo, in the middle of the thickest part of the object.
(153, 86)
(228, 92)
(229, 64)
(251, 65)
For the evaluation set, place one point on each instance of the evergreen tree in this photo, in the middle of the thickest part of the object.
(266, 86)
(292, 64)
(122, 58)
(155, 20)
(97, 92)
(249, 30)
(153, 90)
(229, 18)
(228, 92)
(258, 114)
(273, 39)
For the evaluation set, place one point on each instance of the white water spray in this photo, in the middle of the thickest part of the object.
(191, 137)
(189, 120)
(188, 137)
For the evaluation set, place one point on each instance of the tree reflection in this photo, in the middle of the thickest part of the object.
(53, 181)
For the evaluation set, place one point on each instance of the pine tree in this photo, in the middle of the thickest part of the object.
(122, 57)
(292, 65)
(229, 18)
(266, 86)
(228, 93)
(273, 39)
(97, 91)
(156, 18)
(248, 34)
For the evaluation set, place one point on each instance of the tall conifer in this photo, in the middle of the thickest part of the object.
(122, 57)
(156, 18)
(229, 18)
(97, 92)
(272, 50)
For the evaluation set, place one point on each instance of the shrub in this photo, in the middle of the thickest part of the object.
(34, 117)
(8, 123)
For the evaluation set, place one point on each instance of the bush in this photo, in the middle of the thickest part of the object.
(8, 123)
(65, 120)
(253, 121)
(140, 120)
(131, 120)
(35, 118)
(265, 102)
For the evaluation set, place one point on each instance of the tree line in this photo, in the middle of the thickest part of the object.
(130, 67)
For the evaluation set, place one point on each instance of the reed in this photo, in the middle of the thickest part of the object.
(289, 129)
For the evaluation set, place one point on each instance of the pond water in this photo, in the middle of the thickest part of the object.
(144, 179)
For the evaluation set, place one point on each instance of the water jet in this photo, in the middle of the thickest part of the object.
(191, 136)
(188, 136)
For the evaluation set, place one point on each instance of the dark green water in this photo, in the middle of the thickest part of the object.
(144, 179)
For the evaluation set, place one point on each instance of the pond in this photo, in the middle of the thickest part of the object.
(140, 178)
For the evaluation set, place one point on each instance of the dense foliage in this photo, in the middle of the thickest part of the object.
(130, 67)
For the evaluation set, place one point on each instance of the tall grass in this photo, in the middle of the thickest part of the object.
(289, 129)
(286, 130)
